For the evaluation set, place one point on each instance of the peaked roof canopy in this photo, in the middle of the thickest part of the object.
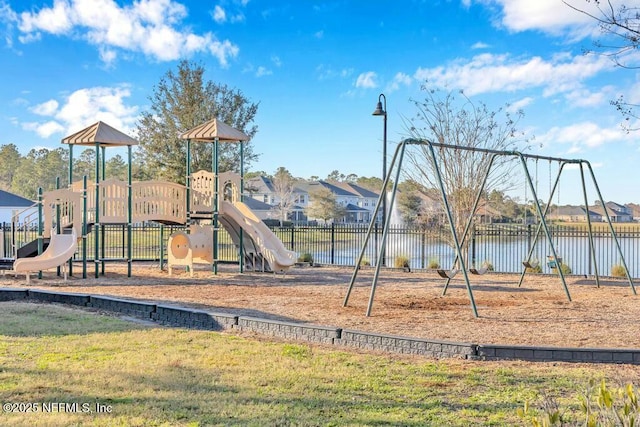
(10, 200)
(209, 131)
(102, 134)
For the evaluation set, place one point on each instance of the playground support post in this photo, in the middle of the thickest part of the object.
(592, 246)
(613, 233)
(129, 211)
(40, 228)
(103, 230)
(241, 245)
(544, 224)
(188, 183)
(70, 268)
(96, 223)
(453, 229)
(370, 229)
(385, 232)
(84, 227)
(58, 270)
(532, 247)
(216, 203)
(470, 219)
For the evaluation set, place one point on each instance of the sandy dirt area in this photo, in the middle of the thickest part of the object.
(410, 304)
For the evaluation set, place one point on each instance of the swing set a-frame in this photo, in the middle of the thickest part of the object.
(458, 241)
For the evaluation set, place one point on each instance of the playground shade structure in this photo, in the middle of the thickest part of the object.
(61, 248)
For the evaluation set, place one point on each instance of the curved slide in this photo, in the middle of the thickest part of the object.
(61, 248)
(279, 258)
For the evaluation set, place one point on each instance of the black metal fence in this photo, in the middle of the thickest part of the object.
(504, 246)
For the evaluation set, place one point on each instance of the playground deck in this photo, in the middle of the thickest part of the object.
(408, 304)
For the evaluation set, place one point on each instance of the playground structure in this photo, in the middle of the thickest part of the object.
(459, 241)
(86, 207)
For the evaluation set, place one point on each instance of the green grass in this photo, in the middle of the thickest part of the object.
(175, 377)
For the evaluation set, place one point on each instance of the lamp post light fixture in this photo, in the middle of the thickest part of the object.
(381, 110)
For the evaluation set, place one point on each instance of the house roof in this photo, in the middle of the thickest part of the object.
(215, 129)
(256, 205)
(313, 185)
(100, 133)
(353, 208)
(358, 190)
(10, 200)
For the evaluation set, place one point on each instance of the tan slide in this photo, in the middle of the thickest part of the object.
(61, 248)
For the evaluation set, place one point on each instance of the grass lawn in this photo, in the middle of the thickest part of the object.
(152, 376)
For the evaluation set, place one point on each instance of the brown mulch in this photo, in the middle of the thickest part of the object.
(410, 304)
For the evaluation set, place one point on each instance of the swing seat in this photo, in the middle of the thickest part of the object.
(447, 274)
(531, 264)
(478, 271)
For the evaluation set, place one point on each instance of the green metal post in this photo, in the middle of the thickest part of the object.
(129, 211)
(543, 222)
(84, 227)
(58, 270)
(40, 228)
(385, 232)
(372, 224)
(103, 230)
(70, 268)
(96, 224)
(592, 246)
(539, 227)
(470, 219)
(216, 202)
(187, 181)
(241, 246)
(161, 246)
(445, 201)
(613, 232)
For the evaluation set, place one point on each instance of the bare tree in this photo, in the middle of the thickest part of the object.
(323, 205)
(445, 120)
(283, 188)
(620, 27)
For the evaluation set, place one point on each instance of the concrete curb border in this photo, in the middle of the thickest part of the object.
(177, 316)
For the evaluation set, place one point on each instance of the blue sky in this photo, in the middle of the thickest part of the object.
(317, 68)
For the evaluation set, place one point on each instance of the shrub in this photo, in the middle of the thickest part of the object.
(566, 270)
(401, 261)
(617, 270)
(365, 262)
(537, 269)
(306, 257)
(488, 265)
(599, 404)
(433, 263)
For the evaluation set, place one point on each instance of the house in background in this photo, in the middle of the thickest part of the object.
(616, 211)
(573, 214)
(11, 204)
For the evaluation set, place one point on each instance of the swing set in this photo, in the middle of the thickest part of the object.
(554, 260)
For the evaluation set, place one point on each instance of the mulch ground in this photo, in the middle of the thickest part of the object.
(410, 304)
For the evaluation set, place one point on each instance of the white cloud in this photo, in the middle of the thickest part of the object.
(219, 15)
(583, 135)
(519, 104)
(486, 73)
(46, 108)
(153, 27)
(319, 34)
(480, 45)
(276, 61)
(366, 80)
(44, 130)
(398, 80)
(84, 107)
(325, 73)
(263, 71)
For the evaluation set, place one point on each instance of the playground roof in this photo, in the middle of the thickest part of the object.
(10, 200)
(101, 133)
(209, 131)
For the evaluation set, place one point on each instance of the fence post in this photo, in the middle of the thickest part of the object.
(293, 234)
(423, 254)
(333, 243)
(528, 238)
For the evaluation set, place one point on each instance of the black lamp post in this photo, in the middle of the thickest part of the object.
(381, 110)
